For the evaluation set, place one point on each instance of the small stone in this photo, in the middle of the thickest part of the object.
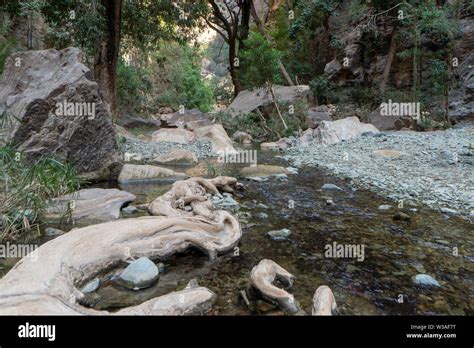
(256, 178)
(425, 279)
(129, 209)
(262, 206)
(161, 267)
(139, 274)
(52, 232)
(401, 216)
(384, 207)
(91, 286)
(471, 214)
(292, 170)
(330, 202)
(193, 284)
(279, 235)
(449, 211)
(262, 215)
(331, 187)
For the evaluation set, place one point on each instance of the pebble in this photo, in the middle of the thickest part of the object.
(330, 187)
(448, 211)
(425, 279)
(385, 207)
(279, 235)
(52, 232)
(91, 286)
(401, 216)
(139, 274)
(130, 209)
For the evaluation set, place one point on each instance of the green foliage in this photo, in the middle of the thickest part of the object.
(267, 127)
(134, 88)
(181, 78)
(259, 63)
(27, 188)
(7, 44)
(322, 90)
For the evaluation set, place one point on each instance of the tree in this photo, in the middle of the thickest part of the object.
(105, 65)
(224, 18)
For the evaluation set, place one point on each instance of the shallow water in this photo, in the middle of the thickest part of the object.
(395, 251)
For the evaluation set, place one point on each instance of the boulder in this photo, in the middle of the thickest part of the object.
(385, 123)
(133, 172)
(178, 157)
(218, 136)
(137, 122)
(277, 145)
(250, 100)
(334, 132)
(57, 110)
(279, 235)
(242, 137)
(189, 119)
(173, 135)
(89, 205)
(315, 115)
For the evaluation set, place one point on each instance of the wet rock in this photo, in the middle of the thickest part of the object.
(449, 211)
(139, 274)
(91, 286)
(425, 279)
(52, 232)
(330, 187)
(279, 235)
(161, 267)
(401, 216)
(384, 207)
(130, 209)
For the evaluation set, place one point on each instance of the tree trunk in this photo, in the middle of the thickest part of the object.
(232, 67)
(105, 67)
(244, 23)
(391, 54)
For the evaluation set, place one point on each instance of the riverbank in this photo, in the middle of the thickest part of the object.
(435, 169)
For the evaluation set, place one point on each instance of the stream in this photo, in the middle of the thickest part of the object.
(380, 284)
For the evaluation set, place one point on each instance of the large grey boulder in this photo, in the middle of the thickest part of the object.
(385, 123)
(250, 100)
(329, 133)
(142, 173)
(57, 110)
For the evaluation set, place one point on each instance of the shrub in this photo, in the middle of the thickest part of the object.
(27, 190)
